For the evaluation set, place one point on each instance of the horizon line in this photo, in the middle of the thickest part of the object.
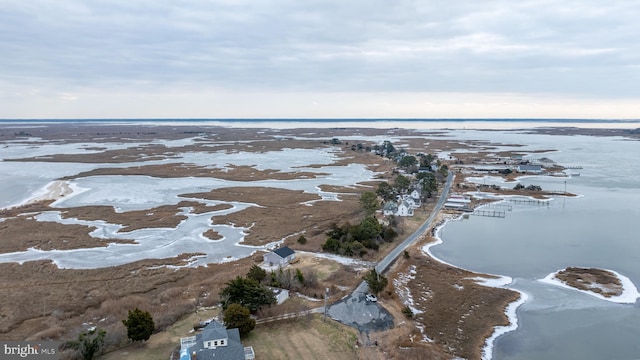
(358, 119)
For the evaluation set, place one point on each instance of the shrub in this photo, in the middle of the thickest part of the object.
(408, 313)
(139, 325)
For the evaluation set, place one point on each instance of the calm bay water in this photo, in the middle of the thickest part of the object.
(597, 229)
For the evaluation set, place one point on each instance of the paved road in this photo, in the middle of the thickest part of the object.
(366, 316)
(386, 262)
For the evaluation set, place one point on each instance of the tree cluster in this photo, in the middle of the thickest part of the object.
(369, 202)
(248, 292)
(428, 183)
(286, 279)
(386, 149)
(408, 162)
(354, 240)
(360, 147)
(529, 188)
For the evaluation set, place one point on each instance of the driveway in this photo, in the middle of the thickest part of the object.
(366, 316)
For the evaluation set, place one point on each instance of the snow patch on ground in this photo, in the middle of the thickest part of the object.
(355, 263)
(307, 297)
(425, 338)
(400, 283)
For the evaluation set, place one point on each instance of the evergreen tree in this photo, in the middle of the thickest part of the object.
(377, 282)
(257, 273)
(369, 202)
(386, 191)
(402, 183)
(139, 325)
(246, 292)
(238, 316)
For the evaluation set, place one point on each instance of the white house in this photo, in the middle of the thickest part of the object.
(215, 342)
(390, 208)
(413, 202)
(281, 256)
(404, 209)
(416, 194)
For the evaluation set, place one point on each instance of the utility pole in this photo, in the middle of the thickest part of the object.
(326, 295)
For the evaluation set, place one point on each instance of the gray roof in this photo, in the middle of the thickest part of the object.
(214, 331)
(234, 350)
(283, 252)
(390, 206)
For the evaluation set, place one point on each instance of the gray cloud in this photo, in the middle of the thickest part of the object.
(577, 48)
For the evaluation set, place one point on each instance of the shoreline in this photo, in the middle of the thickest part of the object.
(629, 294)
(55, 190)
(493, 281)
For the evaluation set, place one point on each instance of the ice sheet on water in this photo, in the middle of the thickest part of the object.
(155, 243)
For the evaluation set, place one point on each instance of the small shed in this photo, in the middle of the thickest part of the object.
(281, 294)
(281, 256)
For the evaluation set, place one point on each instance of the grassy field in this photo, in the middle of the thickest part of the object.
(303, 338)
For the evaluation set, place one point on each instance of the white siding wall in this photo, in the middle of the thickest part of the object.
(271, 258)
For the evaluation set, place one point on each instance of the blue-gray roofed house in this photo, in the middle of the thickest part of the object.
(281, 256)
(215, 342)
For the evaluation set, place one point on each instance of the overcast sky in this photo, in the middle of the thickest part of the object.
(315, 59)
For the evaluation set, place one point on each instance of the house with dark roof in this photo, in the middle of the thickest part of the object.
(215, 342)
(281, 256)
